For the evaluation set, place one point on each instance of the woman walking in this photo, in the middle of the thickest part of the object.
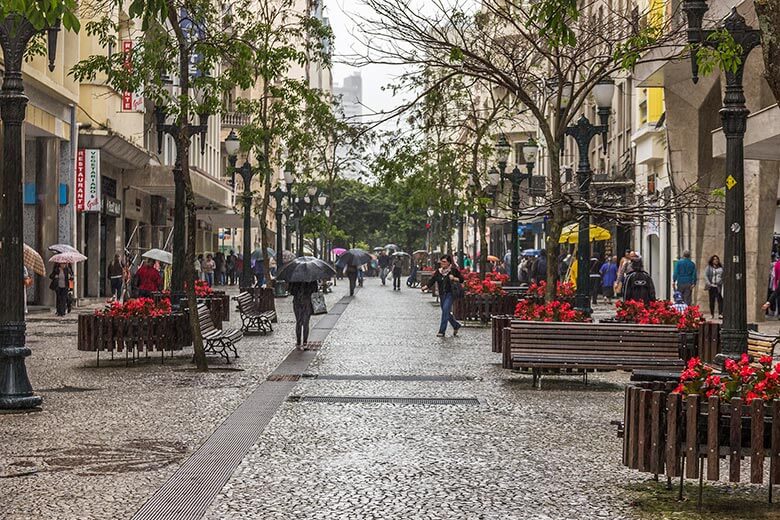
(61, 276)
(713, 282)
(445, 276)
(115, 272)
(303, 309)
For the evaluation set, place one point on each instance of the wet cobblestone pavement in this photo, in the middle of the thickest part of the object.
(521, 453)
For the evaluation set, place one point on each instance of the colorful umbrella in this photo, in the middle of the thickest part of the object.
(63, 248)
(338, 251)
(492, 258)
(67, 258)
(33, 261)
(570, 234)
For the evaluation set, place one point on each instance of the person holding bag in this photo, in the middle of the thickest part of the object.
(61, 277)
(449, 280)
(303, 308)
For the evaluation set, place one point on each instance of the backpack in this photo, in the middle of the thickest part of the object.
(639, 286)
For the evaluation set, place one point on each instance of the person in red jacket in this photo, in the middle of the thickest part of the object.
(149, 280)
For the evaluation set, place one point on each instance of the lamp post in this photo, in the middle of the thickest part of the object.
(282, 190)
(530, 149)
(16, 392)
(583, 132)
(429, 247)
(179, 208)
(461, 224)
(734, 118)
(246, 171)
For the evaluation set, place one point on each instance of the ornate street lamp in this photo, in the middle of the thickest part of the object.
(284, 189)
(734, 118)
(16, 391)
(247, 172)
(516, 177)
(583, 132)
(179, 208)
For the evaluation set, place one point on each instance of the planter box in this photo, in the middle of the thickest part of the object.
(105, 333)
(674, 434)
(498, 323)
(480, 307)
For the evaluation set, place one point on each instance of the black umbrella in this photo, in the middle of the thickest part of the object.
(356, 257)
(305, 269)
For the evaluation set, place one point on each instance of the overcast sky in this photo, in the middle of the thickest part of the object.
(374, 76)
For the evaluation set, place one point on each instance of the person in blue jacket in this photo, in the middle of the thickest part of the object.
(608, 278)
(684, 277)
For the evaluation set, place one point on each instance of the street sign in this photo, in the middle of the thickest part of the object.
(88, 180)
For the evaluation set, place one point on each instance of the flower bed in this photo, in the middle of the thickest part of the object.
(658, 312)
(114, 330)
(490, 285)
(483, 298)
(530, 310)
(740, 379)
(679, 433)
(137, 308)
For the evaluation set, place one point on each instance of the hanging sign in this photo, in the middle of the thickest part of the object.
(131, 101)
(88, 180)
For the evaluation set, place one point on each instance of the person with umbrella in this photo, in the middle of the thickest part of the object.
(384, 263)
(302, 276)
(61, 276)
(149, 279)
(397, 274)
(445, 276)
(350, 261)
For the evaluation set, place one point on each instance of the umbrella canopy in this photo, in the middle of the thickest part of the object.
(400, 253)
(257, 254)
(356, 257)
(378, 249)
(33, 261)
(391, 246)
(570, 234)
(531, 252)
(338, 251)
(305, 269)
(420, 252)
(492, 258)
(63, 248)
(159, 255)
(67, 258)
(287, 257)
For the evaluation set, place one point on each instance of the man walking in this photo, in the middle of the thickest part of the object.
(685, 276)
(384, 262)
(397, 275)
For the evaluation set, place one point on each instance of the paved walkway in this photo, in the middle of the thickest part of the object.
(521, 453)
(110, 439)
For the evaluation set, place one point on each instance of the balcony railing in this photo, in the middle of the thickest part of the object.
(234, 120)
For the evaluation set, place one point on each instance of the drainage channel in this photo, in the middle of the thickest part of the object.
(189, 492)
(344, 399)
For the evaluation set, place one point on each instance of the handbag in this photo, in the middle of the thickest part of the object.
(318, 303)
(28, 281)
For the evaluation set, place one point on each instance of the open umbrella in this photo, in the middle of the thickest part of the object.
(356, 257)
(392, 246)
(257, 254)
(492, 258)
(67, 258)
(33, 261)
(305, 269)
(159, 255)
(570, 234)
(63, 248)
(338, 251)
(378, 249)
(287, 257)
(531, 252)
(420, 252)
(400, 253)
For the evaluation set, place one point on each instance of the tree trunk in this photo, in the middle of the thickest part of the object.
(556, 222)
(183, 150)
(768, 12)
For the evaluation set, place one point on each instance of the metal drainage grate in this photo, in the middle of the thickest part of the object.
(283, 377)
(389, 400)
(389, 377)
(313, 345)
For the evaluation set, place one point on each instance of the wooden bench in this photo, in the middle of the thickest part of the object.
(588, 347)
(251, 318)
(214, 340)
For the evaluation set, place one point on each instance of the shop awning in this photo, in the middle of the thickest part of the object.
(762, 136)
(157, 179)
(123, 153)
